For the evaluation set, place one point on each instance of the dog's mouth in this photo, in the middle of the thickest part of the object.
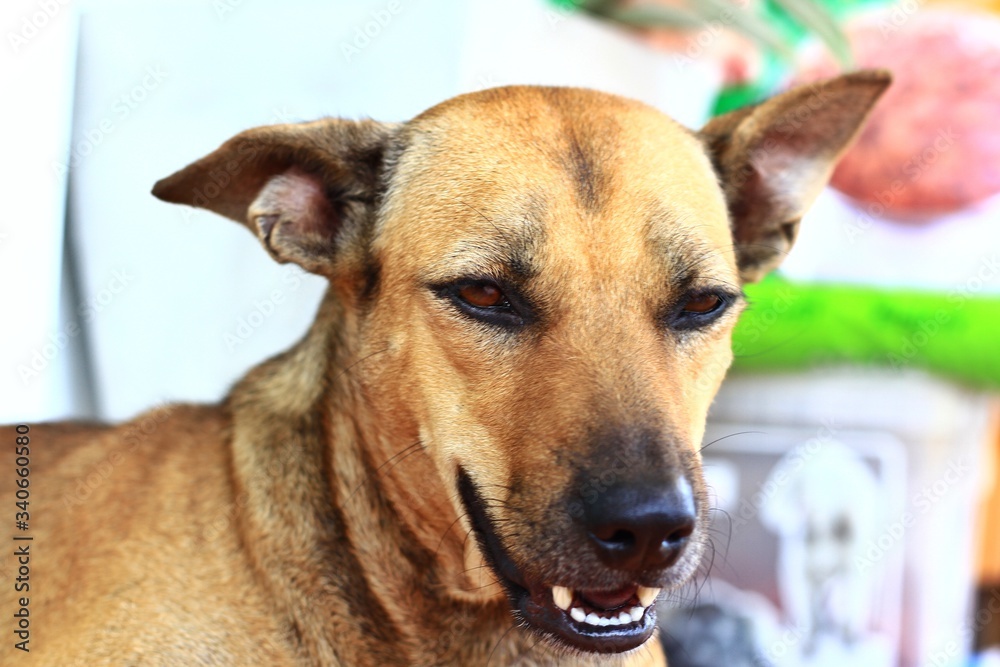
(599, 621)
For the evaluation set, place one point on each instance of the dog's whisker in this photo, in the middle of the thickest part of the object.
(448, 530)
(490, 584)
(731, 435)
(347, 369)
(392, 461)
(499, 641)
(531, 648)
(489, 220)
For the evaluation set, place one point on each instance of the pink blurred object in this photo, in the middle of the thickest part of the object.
(932, 145)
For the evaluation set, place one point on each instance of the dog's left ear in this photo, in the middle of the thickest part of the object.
(774, 158)
(294, 186)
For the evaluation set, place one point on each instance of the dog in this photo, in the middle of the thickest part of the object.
(485, 450)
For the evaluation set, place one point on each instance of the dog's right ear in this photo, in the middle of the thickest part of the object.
(295, 186)
(774, 158)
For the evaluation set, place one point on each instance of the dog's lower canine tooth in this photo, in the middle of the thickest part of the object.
(562, 596)
(647, 595)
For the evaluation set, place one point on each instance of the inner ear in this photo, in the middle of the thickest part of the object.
(299, 188)
(295, 218)
(773, 159)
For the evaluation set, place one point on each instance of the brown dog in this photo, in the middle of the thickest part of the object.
(486, 449)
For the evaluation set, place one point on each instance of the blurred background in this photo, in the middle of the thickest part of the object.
(853, 450)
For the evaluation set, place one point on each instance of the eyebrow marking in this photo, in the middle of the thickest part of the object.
(512, 254)
(686, 259)
(588, 177)
(586, 142)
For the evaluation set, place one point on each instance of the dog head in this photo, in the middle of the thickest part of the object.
(549, 278)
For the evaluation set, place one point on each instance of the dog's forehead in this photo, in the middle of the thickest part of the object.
(511, 167)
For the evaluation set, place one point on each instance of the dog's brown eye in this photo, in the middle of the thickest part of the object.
(482, 295)
(485, 301)
(700, 305)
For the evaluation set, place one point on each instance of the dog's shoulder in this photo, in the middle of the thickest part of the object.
(102, 498)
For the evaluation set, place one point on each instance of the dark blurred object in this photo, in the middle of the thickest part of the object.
(932, 145)
(710, 636)
(987, 618)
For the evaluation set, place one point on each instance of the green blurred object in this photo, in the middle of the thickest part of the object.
(778, 26)
(792, 326)
(775, 69)
(806, 16)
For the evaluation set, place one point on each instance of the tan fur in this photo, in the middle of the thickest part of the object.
(312, 518)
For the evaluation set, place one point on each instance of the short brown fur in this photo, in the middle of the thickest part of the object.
(313, 517)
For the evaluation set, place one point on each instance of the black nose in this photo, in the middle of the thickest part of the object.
(641, 526)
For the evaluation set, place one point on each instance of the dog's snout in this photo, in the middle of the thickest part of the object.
(641, 527)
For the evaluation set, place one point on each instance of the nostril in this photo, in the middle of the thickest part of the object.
(614, 537)
(637, 527)
(679, 535)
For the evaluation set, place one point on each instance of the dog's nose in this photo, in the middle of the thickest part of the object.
(641, 527)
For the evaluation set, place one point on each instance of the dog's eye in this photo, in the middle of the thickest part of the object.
(702, 304)
(699, 309)
(483, 295)
(486, 301)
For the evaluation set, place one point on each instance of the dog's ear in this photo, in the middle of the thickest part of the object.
(772, 160)
(295, 186)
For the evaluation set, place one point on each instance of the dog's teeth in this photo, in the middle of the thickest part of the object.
(602, 621)
(635, 613)
(593, 619)
(578, 614)
(624, 618)
(562, 596)
(647, 595)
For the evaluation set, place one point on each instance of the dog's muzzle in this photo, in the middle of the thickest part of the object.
(632, 531)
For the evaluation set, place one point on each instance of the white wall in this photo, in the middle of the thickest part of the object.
(36, 74)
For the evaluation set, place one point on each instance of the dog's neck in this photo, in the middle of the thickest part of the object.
(373, 543)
